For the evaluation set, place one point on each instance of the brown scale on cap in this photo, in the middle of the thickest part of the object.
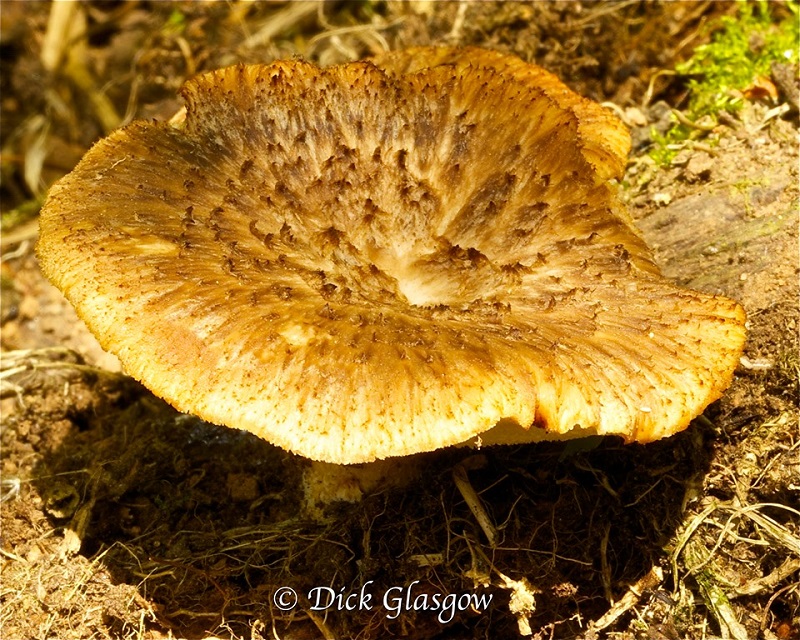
(385, 257)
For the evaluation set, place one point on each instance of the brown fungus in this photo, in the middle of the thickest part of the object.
(383, 258)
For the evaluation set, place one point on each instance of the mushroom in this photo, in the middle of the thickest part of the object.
(385, 257)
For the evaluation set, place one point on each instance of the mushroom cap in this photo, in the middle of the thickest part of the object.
(385, 257)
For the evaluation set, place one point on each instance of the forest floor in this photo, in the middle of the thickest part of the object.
(122, 518)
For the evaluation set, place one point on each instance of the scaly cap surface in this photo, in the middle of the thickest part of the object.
(382, 258)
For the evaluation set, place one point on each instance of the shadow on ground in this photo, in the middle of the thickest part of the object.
(206, 521)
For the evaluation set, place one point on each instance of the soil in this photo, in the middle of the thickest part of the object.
(122, 518)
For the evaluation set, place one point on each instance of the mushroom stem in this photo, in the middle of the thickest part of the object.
(325, 483)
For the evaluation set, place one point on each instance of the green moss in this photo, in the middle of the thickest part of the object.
(666, 147)
(176, 23)
(741, 49)
(20, 215)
